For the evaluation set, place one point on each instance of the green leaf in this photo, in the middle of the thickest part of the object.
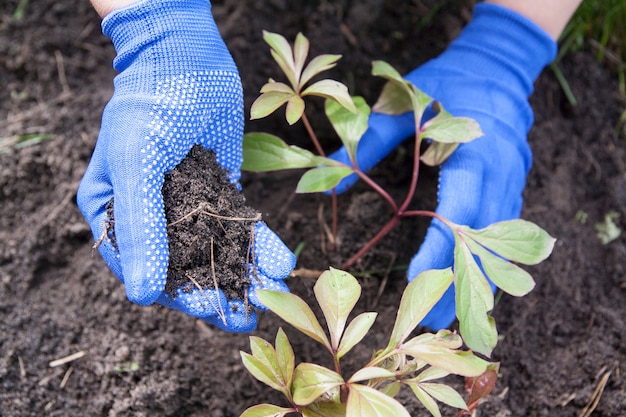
(445, 394)
(350, 126)
(285, 357)
(418, 100)
(294, 311)
(431, 374)
(300, 52)
(336, 292)
(356, 331)
(322, 179)
(418, 299)
(437, 153)
(265, 353)
(391, 389)
(371, 372)
(393, 100)
(318, 65)
(277, 87)
(426, 400)
(267, 410)
(331, 90)
(268, 103)
(282, 54)
(265, 152)
(516, 240)
(474, 301)
(386, 71)
(311, 381)
(446, 128)
(364, 401)
(295, 109)
(324, 409)
(509, 277)
(437, 352)
(261, 372)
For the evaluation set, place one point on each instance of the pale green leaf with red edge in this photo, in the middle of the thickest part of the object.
(265, 353)
(267, 410)
(392, 389)
(444, 394)
(265, 152)
(317, 180)
(311, 381)
(437, 153)
(324, 409)
(285, 357)
(445, 128)
(295, 109)
(283, 55)
(300, 52)
(355, 332)
(474, 301)
(331, 90)
(419, 297)
(294, 311)
(426, 400)
(318, 65)
(268, 103)
(430, 374)
(349, 125)
(439, 351)
(393, 99)
(261, 371)
(364, 401)
(337, 292)
(276, 87)
(516, 240)
(371, 372)
(508, 277)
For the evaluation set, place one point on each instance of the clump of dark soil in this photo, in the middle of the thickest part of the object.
(210, 229)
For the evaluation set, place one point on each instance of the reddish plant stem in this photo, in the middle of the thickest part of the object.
(386, 229)
(381, 233)
(312, 135)
(363, 176)
(333, 196)
(414, 175)
(398, 212)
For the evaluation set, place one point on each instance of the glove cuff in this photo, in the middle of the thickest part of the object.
(179, 31)
(504, 45)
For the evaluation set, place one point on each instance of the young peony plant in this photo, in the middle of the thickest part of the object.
(416, 362)
(479, 255)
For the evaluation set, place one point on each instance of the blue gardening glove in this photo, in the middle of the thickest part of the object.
(177, 86)
(486, 74)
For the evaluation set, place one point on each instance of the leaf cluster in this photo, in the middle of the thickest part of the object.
(482, 258)
(416, 362)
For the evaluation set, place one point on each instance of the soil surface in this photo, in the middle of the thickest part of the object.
(562, 347)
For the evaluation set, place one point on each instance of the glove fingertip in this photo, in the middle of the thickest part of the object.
(274, 259)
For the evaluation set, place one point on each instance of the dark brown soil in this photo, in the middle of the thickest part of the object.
(558, 344)
(210, 227)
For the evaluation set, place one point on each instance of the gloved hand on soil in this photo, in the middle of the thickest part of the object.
(486, 74)
(177, 86)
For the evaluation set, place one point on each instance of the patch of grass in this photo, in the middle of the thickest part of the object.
(601, 26)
